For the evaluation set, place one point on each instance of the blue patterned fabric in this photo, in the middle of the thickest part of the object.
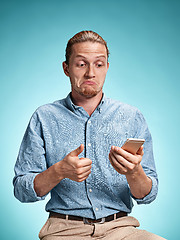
(58, 128)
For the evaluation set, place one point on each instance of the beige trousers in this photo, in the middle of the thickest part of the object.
(122, 228)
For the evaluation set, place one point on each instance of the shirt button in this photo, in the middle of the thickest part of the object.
(97, 209)
(89, 121)
(89, 145)
(90, 190)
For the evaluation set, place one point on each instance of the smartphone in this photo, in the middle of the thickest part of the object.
(132, 145)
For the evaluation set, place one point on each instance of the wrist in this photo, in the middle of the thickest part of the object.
(136, 172)
(58, 171)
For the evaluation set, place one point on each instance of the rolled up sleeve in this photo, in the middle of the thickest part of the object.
(151, 196)
(24, 188)
(30, 162)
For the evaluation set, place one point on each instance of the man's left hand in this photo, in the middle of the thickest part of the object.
(125, 162)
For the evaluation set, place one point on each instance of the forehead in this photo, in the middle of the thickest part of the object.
(89, 49)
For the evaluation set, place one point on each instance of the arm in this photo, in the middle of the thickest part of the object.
(32, 179)
(141, 171)
(30, 162)
(130, 165)
(70, 167)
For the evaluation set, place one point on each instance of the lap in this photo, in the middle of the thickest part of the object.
(123, 228)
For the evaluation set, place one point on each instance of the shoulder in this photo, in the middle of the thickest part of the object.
(127, 114)
(123, 111)
(122, 107)
(50, 109)
(51, 106)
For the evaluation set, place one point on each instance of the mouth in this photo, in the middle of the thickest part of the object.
(89, 82)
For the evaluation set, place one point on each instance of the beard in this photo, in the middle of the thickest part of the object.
(88, 92)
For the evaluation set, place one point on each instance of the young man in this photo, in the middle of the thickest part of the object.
(72, 149)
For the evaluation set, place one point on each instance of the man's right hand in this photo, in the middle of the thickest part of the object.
(73, 167)
(70, 167)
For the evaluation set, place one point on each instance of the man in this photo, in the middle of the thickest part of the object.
(72, 149)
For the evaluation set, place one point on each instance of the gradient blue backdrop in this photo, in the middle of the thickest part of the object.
(143, 37)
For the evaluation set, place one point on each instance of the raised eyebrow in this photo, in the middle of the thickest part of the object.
(80, 56)
(100, 56)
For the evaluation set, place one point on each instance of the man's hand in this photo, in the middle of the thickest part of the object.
(74, 168)
(125, 162)
(129, 165)
(70, 167)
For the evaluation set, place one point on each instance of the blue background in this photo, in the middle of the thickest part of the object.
(143, 38)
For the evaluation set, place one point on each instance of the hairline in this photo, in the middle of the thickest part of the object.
(83, 37)
(81, 56)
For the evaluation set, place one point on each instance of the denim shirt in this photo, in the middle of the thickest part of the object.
(58, 128)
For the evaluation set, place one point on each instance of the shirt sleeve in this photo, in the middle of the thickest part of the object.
(147, 163)
(30, 162)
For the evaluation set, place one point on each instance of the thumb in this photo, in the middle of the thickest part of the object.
(140, 151)
(77, 151)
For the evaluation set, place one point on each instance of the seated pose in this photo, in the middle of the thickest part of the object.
(72, 149)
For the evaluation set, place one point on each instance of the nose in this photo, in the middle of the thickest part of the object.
(90, 72)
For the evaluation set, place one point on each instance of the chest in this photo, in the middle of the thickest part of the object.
(66, 133)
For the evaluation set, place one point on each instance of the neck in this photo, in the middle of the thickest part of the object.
(89, 104)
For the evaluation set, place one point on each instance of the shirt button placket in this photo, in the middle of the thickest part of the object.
(89, 155)
(88, 137)
(89, 123)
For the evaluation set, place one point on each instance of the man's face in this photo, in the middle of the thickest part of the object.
(87, 68)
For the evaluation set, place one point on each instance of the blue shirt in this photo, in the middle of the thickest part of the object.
(58, 128)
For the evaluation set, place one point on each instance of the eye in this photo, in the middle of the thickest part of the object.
(81, 64)
(99, 64)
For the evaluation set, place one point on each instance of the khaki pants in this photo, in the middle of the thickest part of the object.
(122, 228)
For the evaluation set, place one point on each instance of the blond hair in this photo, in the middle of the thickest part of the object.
(84, 36)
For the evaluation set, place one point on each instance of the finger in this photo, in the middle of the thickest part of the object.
(128, 160)
(117, 166)
(126, 155)
(140, 151)
(84, 162)
(77, 151)
(117, 157)
(82, 179)
(126, 164)
(83, 170)
(83, 176)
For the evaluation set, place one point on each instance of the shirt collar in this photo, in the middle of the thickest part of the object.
(73, 107)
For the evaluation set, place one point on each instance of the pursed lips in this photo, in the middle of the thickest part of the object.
(89, 82)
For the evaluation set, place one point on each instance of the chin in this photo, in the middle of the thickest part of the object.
(89, 93)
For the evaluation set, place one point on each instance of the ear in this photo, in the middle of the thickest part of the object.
(107, 66)
(65, 68)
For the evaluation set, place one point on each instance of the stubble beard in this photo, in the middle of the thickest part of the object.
(87, 92)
